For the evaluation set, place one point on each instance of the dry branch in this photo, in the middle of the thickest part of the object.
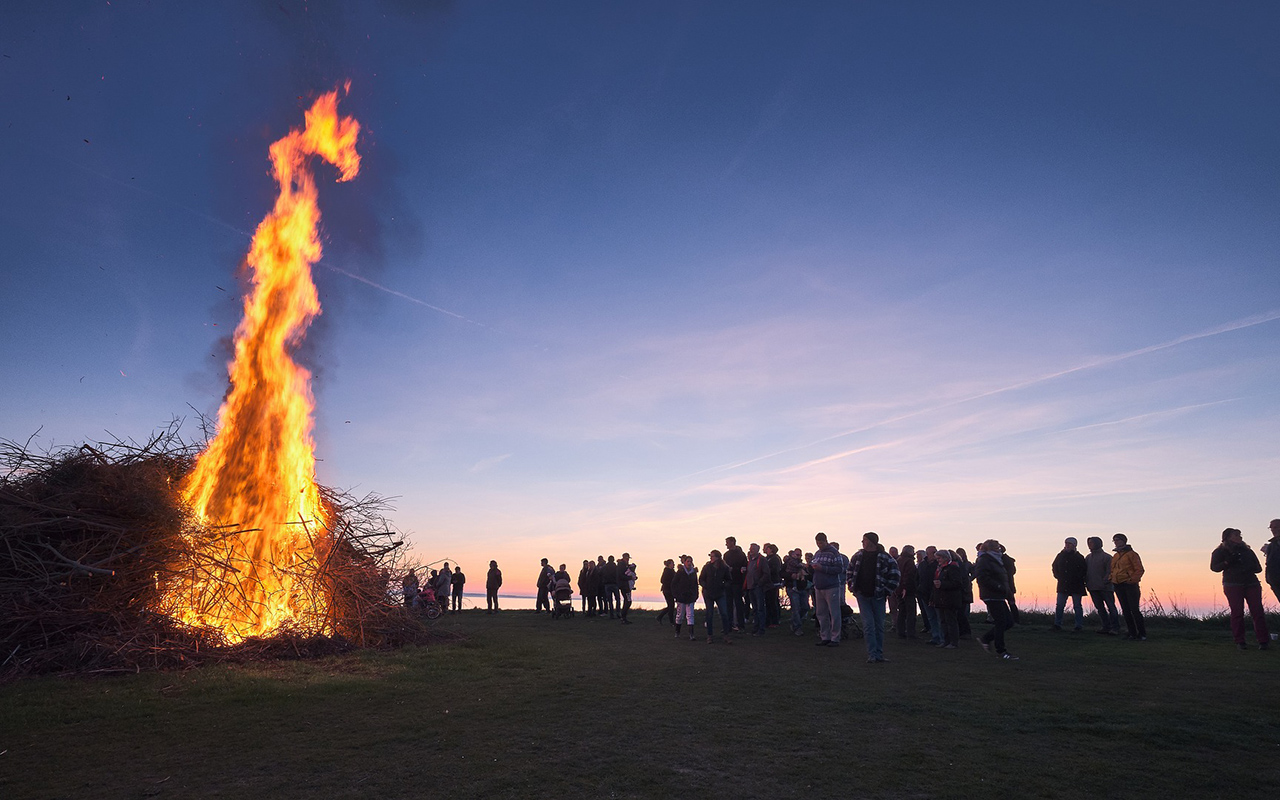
(91, 537)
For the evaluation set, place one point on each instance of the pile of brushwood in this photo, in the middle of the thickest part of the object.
(92, 536)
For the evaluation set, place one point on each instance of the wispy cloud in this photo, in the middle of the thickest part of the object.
(488, 463)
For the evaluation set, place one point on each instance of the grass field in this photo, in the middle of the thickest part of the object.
(529, 707)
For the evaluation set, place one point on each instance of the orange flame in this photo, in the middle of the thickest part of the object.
(258, 473)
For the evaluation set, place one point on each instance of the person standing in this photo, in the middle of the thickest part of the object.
(906, 621)
(948, 597)
(546, 576)
(756, 578)
(928, 571)
(797, 581)
(1070, 569)
(716, 581)
(1126, 574)
(993, 588)
(626, 583)
(1098, 581)
(873, 576)
(444, 582)
(737, 563)
(668, 592)
(827, 568)
(609, 574)
(584, 586)
(966, 570)
(773, 603)
(684, 589)
(597, 583)
(459, 580)
(1239, 567)
(492, 583)
(1271, 549)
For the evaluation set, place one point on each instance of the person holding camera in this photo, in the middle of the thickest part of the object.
(1240, 567)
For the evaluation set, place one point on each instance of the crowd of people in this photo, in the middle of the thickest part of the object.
(876, 588)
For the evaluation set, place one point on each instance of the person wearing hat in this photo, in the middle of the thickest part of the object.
(1070, 569)
(1126, 574)
(684, 587)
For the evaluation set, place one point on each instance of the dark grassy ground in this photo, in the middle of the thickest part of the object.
(531, 707)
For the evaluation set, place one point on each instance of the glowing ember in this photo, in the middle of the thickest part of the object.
(258, 473)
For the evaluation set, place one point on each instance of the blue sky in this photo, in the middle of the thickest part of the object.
(622, 276)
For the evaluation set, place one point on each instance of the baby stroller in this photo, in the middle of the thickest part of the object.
(562, 595)
(426, 601)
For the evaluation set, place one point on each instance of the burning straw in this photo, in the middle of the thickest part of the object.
(97, 541)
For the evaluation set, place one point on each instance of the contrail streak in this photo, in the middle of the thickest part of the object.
(1246, 322)
(403, 296)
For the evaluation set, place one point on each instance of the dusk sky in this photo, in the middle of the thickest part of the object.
(637, 276)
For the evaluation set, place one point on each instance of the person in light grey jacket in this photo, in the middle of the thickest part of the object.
(1097, 579)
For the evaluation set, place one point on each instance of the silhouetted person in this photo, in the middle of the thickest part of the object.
(1272, 551)
(906, 622)
(716, 581)
(546, 577)
(948, 597)
(668, 593)
(492, 583)
(626, 583)
(1070, 569)
(609, 574)
(993, 587)
(1098, 581)
(458, 581)
(1240, 567)
(736, 560)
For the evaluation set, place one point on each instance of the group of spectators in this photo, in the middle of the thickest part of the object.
(442, 587)
(744, 589)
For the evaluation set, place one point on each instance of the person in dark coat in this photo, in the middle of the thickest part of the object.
(948, 597)
(458, 580)
(1239, 566)
(609, 574)
(584, 584)
(992, 577)
(684, 589)
(772, 601)
(966, 569)
(906, 621)
(546, 577)
(492, 582)
(928, 570)
(1271, 549)
(736, 560)
(716, 580)
(668, 575)
(1070, 569)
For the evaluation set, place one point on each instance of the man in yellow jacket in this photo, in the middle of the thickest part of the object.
(1126, 572)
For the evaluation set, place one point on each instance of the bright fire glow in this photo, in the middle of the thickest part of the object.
(258, 473)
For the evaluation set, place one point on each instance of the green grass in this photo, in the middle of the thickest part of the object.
(530, 707)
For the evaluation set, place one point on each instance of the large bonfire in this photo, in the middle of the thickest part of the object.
(126, 555)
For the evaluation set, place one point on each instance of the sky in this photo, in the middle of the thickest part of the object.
(639, 276)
